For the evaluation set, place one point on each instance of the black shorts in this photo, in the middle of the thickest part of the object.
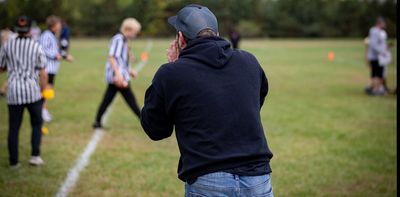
(376, 69)
(51, 79)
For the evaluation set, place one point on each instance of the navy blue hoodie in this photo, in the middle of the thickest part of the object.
(212, 95)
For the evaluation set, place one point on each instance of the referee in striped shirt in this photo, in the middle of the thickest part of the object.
(118, 71)
(24, 60)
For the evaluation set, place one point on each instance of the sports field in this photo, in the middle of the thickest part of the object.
(327, 136)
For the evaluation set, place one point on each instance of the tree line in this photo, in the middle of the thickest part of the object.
(252, 18)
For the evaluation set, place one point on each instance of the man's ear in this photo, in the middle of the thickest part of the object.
(181, 40)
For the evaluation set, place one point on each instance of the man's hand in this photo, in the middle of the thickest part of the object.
(119, 81)
(173, 52)
(121, 84)
(58, 57)
(133, 73)
(69, 58)
(118, 78)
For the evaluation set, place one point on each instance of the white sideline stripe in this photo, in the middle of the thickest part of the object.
(83, 161)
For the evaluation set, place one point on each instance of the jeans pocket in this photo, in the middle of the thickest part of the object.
(262, 189)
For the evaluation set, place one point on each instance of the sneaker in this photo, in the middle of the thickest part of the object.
(15, 166)
(46, 115)
(97, 125)
(36, 161)
(368, 90)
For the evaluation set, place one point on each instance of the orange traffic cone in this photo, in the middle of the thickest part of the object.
(144, 56)
(331, 56)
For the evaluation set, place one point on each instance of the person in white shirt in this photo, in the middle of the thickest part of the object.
(377, 54)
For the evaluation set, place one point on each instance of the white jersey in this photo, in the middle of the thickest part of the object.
(377, 43)
(385, 57)
(22, 57)
(119, 50)
(50, 46)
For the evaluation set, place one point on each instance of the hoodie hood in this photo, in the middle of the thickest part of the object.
(212, 51)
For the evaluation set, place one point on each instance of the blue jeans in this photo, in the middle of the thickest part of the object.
(222, 184)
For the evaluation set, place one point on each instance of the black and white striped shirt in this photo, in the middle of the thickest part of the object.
(22, 57)
(50, 46)
(118, 50)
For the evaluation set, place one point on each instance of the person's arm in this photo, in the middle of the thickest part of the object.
(40, 65)
(3, 67)
(154, 118)
(263, 78)
(43, 79)
(116, 48)
(264, 87)
(118, 78)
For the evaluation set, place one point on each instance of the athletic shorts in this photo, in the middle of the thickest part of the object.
(51, 79)
(376, 69)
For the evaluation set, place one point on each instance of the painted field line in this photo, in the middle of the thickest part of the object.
(83, 160)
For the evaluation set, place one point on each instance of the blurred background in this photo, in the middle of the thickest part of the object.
(252, 18)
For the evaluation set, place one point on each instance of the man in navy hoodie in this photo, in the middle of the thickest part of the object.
(212, 95)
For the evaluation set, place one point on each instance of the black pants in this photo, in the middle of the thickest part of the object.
(15, 115)
(376, 69)
(51, 78)
(109, 96)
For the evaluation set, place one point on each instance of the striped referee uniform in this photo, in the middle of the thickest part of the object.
(120, 52)
(50, 46)
(23, 58)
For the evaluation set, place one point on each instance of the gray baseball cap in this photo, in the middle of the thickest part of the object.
(193, 18)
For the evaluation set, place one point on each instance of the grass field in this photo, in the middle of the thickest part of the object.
(327, 136)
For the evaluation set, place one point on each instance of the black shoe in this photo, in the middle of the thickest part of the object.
(97, 125)
(368, 90)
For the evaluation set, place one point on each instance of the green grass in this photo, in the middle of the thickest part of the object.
(327, 136)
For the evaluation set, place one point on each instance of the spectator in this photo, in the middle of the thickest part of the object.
(212, 96)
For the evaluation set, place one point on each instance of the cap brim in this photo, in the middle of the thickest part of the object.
(172, 21)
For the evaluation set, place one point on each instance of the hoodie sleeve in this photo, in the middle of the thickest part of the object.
(263, 79)
(264, 87)
(154, 118)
